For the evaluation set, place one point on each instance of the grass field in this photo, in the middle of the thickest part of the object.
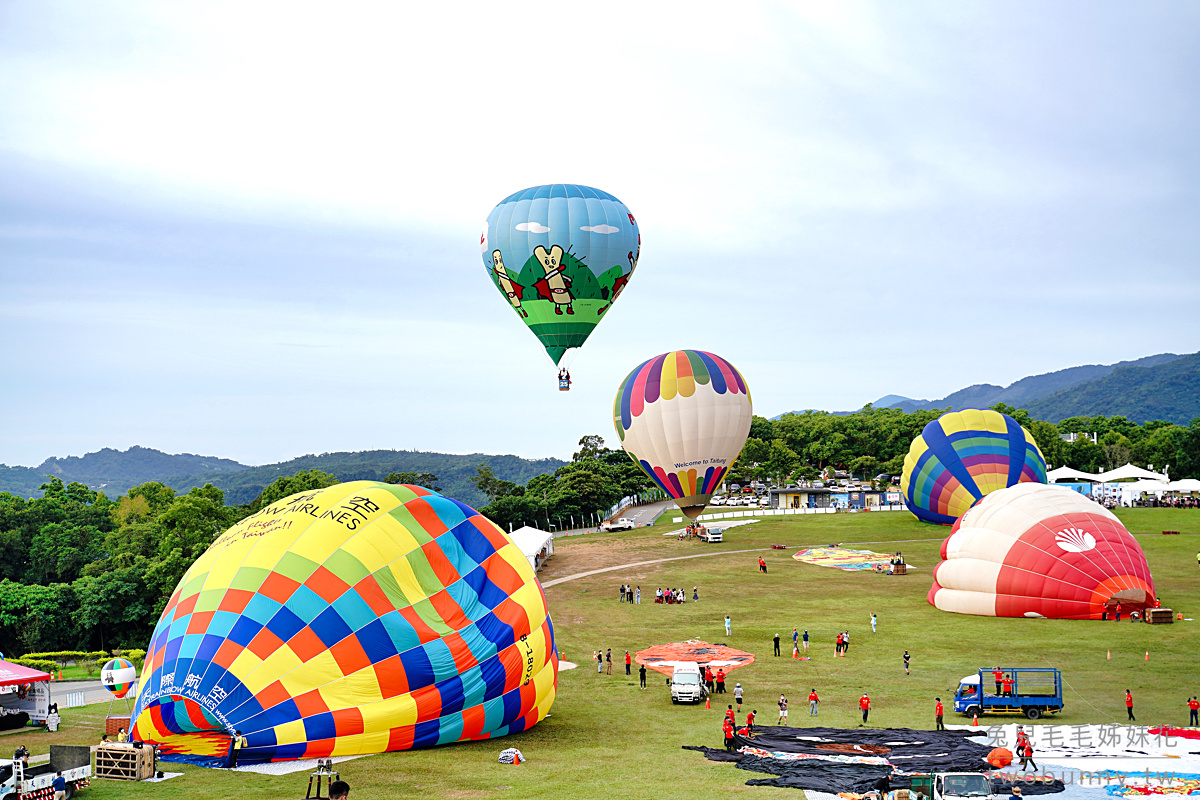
(606, 737)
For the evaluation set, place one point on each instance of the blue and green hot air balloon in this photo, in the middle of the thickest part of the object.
(560, 254)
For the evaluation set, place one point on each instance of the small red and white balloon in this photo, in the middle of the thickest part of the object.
(119, 676)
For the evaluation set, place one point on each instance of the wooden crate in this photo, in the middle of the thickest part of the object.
(900, 569)
(124, 762)
(1160, 616)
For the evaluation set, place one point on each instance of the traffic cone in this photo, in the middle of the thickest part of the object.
(1110, 655)
(60, 674)
(707, 701)
(1147, 655)
(975, 721)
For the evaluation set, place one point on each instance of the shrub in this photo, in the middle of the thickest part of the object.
(44, 664)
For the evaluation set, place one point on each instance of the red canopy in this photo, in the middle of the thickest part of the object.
(11, 674)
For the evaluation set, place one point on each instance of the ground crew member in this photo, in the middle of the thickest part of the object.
(777, 644)
(1193, 709)
(727, 727)
(937, 715)
(813, 703)
(720, 681)
(865, 704)
(1026, 754)
(628, 662)
(750, 720)
(1008, 686)
(236, 743)
(708, 679)
(1129, 705)
(999, 676)
(729, 715)
(642, 676)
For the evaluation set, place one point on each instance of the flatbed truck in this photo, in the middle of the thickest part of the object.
(1032, 691)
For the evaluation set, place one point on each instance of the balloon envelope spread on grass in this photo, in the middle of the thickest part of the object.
(118, 676)
(359, 618)
(962, 456)
(683, 417)
(1038, 550)
(560, 254)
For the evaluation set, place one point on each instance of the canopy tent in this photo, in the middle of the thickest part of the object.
(14, 674)
(535, 544)
(1070, 475)
(1149, 487)
(1130, 472)
(1186, 485)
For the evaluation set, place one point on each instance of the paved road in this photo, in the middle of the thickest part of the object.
(93, 692)
(645, 515)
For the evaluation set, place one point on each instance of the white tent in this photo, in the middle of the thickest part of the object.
(1070, 476)
(536, 544)
(1185, 486)
(1130, 471)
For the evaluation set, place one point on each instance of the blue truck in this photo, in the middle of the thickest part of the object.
(1032, 691)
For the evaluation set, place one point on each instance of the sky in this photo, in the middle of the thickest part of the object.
(250, 230)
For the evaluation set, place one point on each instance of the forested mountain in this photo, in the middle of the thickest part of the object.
(1027, 390)
(115, 472)
(454, 472)
(1166, 391)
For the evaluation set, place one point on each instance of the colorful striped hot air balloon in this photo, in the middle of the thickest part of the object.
(683, 417)
(560, 254)
(359, 618)
(1038, 550)
(962, 456)
(118, 676)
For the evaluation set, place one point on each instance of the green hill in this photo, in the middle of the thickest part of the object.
(1168, 391)
(453, 471)
(114, 472)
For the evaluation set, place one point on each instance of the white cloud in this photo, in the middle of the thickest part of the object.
(532, 227)
(600, 228)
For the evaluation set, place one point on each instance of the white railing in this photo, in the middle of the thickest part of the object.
(778, 512)
(75, 700)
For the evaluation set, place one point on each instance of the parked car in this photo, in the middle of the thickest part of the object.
(620, 524)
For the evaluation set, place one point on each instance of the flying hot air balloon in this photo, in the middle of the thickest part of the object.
(1040, 550)
(358, 618)
(962, 456)
(560, 255)
(683, 417)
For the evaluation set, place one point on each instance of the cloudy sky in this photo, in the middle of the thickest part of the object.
(251, 229)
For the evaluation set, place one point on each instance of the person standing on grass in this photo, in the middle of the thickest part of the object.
(599, 661)
(622, 593)
(814, 703)
(637, 596)
(845, 642)
(1129, 705)
(837, 646)
(782, 710)
(728, 626)
(729, 715)
(776, 644)
(628, 662)
(608, 658)
(762, 565)
(1193, 710)
(708, 679)
(727, 728)
(737, 696)
(795, 639)
(864, 703)
(937, 715)
(695, 593)
(873, 620)
(805, 637)
(720, 681)
(907, 659)
(642, 676)
(750, 715)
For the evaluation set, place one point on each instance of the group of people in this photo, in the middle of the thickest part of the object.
(631, 594)
(673, 595)
(842, 643)
(715, 681)
(603, 659)
(729, 723)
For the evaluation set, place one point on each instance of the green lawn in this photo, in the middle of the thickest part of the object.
(605, 737)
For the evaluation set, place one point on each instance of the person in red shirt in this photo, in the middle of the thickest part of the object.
(708, 679)
(1026, 754)
(750, 720)
(762, 565)
(628, 662)
(1008, 686)
(720, 681)
(1022, 738)
(727, 728)
(937, 715)
(999, 676)
(1193, 711)
(837, 649)
(813, 703)
(729, 715)
(865, 704)
(1129, 705)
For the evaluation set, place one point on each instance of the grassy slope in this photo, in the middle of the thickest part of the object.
(605, 736)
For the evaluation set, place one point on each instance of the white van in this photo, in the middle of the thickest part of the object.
(687, 686)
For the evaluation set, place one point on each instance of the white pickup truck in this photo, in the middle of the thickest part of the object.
(18, 782)
(619, 524)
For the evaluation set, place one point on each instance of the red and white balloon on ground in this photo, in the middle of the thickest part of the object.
(1038, 550)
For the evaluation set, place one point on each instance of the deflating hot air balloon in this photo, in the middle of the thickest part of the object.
(962, 456)
(561, 255)
(1038, 550)
(355, 619)
(683, 417)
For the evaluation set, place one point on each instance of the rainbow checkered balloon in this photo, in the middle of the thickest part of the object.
(962, 456)
(118, 676)
(359, 618)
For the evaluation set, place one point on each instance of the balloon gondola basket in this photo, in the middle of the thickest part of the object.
(564, 385)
